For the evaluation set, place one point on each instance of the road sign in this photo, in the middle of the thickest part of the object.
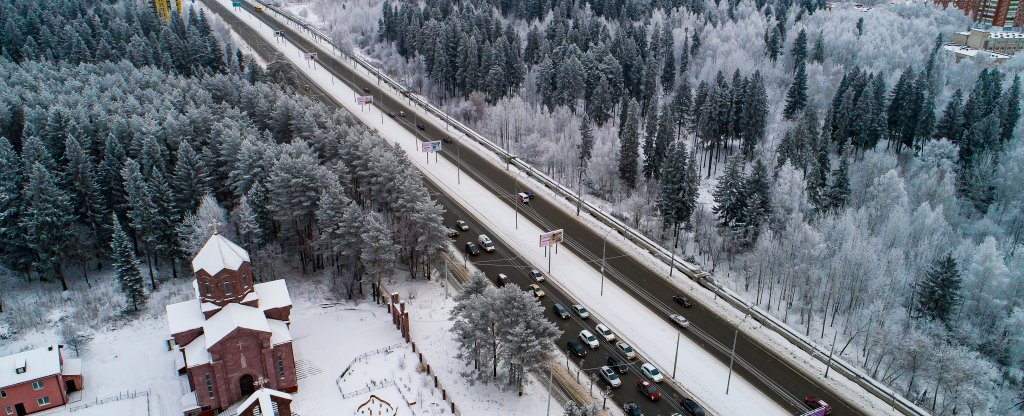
(310, 56)
(364, 99)
(236, 4)
(431, 147)
(279, 33)
(551, 238)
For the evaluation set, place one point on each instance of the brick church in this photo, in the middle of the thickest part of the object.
(234, 338)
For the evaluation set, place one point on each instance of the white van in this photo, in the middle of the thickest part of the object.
(486, 243)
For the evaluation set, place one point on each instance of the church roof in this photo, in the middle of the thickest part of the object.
(218, 254)
(196, 353)
(230, 317)
(273, 294)
(184, 316)
(262, 398)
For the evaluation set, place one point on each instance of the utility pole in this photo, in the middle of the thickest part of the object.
(675, 363)
(604, 247)
(550, 373)
(829, 365)
(732, 355)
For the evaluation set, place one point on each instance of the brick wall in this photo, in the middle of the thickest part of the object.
(53, 388)
(212, 288)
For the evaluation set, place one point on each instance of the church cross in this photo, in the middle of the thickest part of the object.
(239, 345)
(260, 382)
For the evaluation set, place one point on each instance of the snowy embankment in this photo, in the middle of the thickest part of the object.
(700, 373)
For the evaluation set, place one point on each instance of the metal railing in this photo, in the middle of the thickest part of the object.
(703, 278)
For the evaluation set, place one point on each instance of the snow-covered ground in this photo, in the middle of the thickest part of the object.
(328, 337)
(699, 372)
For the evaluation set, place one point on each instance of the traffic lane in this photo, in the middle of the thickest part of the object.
(501, 261)
(782, 373)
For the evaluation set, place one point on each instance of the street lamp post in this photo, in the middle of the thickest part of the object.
(550, 373)
(732, 354)
(604, 247)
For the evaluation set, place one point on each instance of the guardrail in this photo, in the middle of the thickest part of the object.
(703, 278)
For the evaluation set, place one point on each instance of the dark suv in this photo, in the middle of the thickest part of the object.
(560, 311)
(619, 366)
(576, 348)
(472, 249)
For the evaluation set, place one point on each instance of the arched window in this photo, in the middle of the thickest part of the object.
(228, 289)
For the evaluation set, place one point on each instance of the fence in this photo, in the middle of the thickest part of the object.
(703, 278)
(120, 396)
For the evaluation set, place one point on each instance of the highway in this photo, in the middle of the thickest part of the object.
(784, 384)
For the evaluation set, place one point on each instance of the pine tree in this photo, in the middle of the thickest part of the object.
(163, 225)
(839, 190)
(682, 105)
(817, 178)
(938, 294)
(586, 146)
(14, 252)
(126, 267)
(799, 49)
(796, 97)
(46, 220)
(110, 180)
(190, 179)
(951, 125)
(668, 68)
(379, 253)
(728, 195)
(80, 180)
(629, 145)
(141, 211)
(755, 116)
(1011, 110)
(818, 52)
(758, 206)
(860, 26)
(673, 196)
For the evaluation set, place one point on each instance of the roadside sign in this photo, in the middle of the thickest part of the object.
(236, 4)
(551, 238)
(431, 147)
(279, 33)
(310, 56)
(364, 100)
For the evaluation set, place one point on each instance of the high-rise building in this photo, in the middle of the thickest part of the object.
(1006, 14)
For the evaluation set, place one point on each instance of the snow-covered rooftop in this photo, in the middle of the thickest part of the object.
(233, 316)
(279, 332)
(218, 254)
(37, 363)
(72, 367)
(184, 316)
(196, 353)
(263, 397)
(273, 294)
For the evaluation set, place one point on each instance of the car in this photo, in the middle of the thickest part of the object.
(523, 197)
(605, 333)
(472, 249)
(486, 243)
(366, 89)
(683, 300)
(421, 127)
(588, 338)
(391, 114)
(610, 377)
(452, 233)
(447, 139)
(649, 390)
(460, 224)
(537, 291)
(576, 348)
(616, 364)
(581, 311)
(632, 409)
(626, 350)
(259, 9)
(536, 275)
(502, 279)
(816, 403)
(651, 372)
(401, 113)
(560, 311)
(679, 320)
(691, 407)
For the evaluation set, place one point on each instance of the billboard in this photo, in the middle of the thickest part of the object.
(551, 238)
(310, 56)
(364, 99)
(431, 147)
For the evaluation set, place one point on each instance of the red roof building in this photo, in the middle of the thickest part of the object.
(234, 333)
(37, 380)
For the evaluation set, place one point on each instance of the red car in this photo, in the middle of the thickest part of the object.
(816, 403)
(648, 389)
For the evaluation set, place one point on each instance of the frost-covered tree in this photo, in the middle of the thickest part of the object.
(629, 145)
(195, 229)
(79, 177)
(796, 96)
(190, 179)
(730, 200)
(126, 268)
(46, 219)
(15, 252)
(378, 254)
